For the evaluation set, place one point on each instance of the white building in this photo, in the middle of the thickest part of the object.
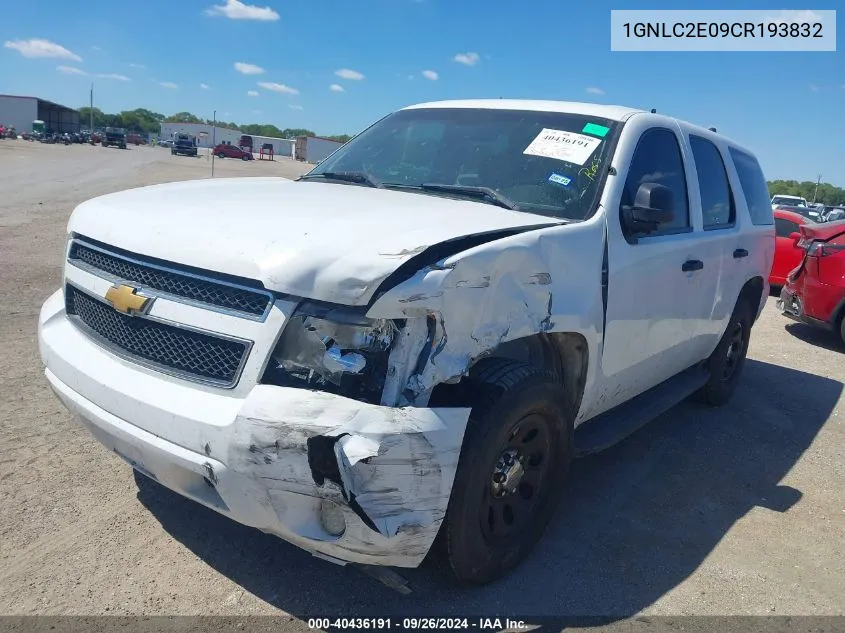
(313, 149)
(19, 112)
(209, 136)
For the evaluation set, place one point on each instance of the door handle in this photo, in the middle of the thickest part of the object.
(740, 252)
(692, 264)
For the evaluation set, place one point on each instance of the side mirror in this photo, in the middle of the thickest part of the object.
(795, 237)
(654, 205)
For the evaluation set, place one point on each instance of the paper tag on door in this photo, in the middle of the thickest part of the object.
(563, 145)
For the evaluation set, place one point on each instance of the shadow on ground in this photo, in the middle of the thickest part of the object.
(636, 521)
(816, 336)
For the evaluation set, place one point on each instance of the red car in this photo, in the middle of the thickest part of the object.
(787, 253)
(224, 150)
(135, 139)
(815, 291)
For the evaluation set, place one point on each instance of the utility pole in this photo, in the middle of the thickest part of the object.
(213, 141)
(816, 192)
(91, 110)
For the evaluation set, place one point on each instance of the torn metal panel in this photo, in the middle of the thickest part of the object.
(515, 287)
(408, 346)
(391, 469)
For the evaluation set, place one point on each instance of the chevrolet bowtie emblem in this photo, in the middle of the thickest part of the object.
(124, 299)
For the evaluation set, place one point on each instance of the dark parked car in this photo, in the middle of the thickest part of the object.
(224, 150)
(184, 144)
(115, 137)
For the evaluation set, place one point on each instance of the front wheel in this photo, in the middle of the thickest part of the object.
(514, 460)
(728, 359)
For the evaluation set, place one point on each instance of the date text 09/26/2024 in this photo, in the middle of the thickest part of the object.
(416, 624)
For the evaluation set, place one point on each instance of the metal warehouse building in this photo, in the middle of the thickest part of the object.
(20, 112)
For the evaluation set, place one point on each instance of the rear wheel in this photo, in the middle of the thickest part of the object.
(728, 359)
(514, 460)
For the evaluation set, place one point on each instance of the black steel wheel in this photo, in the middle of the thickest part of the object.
(728, 359)
(515, 456)
(520, 472)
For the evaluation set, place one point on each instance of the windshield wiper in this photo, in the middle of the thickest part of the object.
(476, 192)
(357, 177)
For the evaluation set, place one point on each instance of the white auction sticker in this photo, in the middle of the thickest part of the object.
(563, 145)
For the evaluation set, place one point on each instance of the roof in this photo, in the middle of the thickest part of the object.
(611, 112)
(40, 100)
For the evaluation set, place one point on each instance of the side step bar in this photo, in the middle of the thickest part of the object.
(611, 427)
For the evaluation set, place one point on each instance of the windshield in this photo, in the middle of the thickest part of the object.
(789, 200)
(549, 163)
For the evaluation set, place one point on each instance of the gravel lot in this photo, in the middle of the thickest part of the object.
(733, 511)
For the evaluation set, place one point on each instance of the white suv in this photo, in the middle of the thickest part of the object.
(418, 336)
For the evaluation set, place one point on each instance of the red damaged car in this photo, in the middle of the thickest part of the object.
(815, 291)
(224, 150)
(788, 254)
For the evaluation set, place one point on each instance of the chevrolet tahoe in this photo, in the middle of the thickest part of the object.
(415, 339)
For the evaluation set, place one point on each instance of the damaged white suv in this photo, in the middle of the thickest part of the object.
(417, 337)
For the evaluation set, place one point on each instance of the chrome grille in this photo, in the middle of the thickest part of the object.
(179, 284)
(168, 348)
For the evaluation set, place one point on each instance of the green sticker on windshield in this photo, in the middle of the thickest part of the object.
(596, 129)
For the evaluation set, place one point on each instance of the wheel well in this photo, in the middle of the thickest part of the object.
(565, 354)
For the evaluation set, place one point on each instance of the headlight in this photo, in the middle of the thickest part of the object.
(337, 351)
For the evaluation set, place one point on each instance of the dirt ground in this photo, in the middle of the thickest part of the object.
(733, 511)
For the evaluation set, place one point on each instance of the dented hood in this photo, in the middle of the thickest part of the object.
(322, 241)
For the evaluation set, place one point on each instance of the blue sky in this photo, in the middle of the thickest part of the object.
(181, 55)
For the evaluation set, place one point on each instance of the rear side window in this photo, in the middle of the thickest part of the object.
(784, 228)
(717, 204)
(754, 187)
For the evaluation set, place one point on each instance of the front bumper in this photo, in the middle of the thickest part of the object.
(278, 459)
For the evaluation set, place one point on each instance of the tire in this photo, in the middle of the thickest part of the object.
(245, 157)
(173, 152)
(842, 329)
(489, 530)
(728, 359)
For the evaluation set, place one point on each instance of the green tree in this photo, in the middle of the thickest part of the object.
(183, 117)
(85, 116)
(142, 120)
(294, 132)
(340, 138)
(827, 194)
